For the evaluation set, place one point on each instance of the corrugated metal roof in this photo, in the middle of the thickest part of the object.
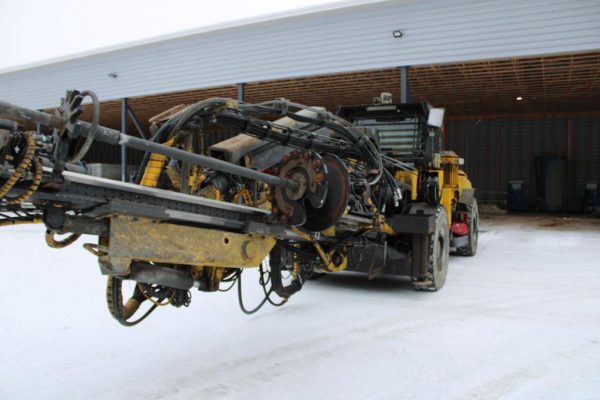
(342, 40)
(211, 28)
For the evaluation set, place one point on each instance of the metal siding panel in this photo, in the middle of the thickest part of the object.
(475, 150)
(487, 138)
(503, 163)
(512, 148)
(455, 138)
(472, 154)
(580, 150)
(594, 149)
(470, 140)
(347, 39)
(524, 159)
(496, 152)
(528, 160)
(585, 151)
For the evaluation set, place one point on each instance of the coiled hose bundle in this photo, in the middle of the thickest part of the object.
(21, 172)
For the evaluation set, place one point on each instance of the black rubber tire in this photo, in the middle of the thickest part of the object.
(470, 249)
(439, 254)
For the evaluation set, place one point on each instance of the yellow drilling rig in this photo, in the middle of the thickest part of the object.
(296, 191)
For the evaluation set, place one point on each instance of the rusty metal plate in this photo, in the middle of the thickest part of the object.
(145, 239)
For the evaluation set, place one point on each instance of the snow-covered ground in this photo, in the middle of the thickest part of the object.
(521, 320)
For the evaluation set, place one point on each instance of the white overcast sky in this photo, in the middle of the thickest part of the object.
(38, 30)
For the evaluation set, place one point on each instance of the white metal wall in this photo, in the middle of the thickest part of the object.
(348, 39)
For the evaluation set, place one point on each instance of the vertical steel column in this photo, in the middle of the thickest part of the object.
(38, 127)
(241, 91)
(124, 147)
(571, 178)
(404, 88)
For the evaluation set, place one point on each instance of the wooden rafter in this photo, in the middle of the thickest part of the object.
(550, 84)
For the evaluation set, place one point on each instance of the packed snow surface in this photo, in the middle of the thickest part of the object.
(521, 320)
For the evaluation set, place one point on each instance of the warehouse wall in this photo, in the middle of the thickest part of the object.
(343, 40)
(498, 151)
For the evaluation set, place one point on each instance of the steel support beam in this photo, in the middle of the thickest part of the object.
(404, 87)
(136, 122)
(124, 108)
(38, 127)
(241, 91)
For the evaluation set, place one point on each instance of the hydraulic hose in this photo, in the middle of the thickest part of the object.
(23, 165)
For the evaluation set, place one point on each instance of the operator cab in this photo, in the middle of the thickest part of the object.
(405, 132)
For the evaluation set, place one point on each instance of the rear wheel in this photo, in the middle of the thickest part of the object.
(439, 253)
(470, 249)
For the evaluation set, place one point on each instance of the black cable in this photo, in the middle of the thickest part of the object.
(229, 288)
(264, 284)
(116, 300)
(95, 122)
(241, 301)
